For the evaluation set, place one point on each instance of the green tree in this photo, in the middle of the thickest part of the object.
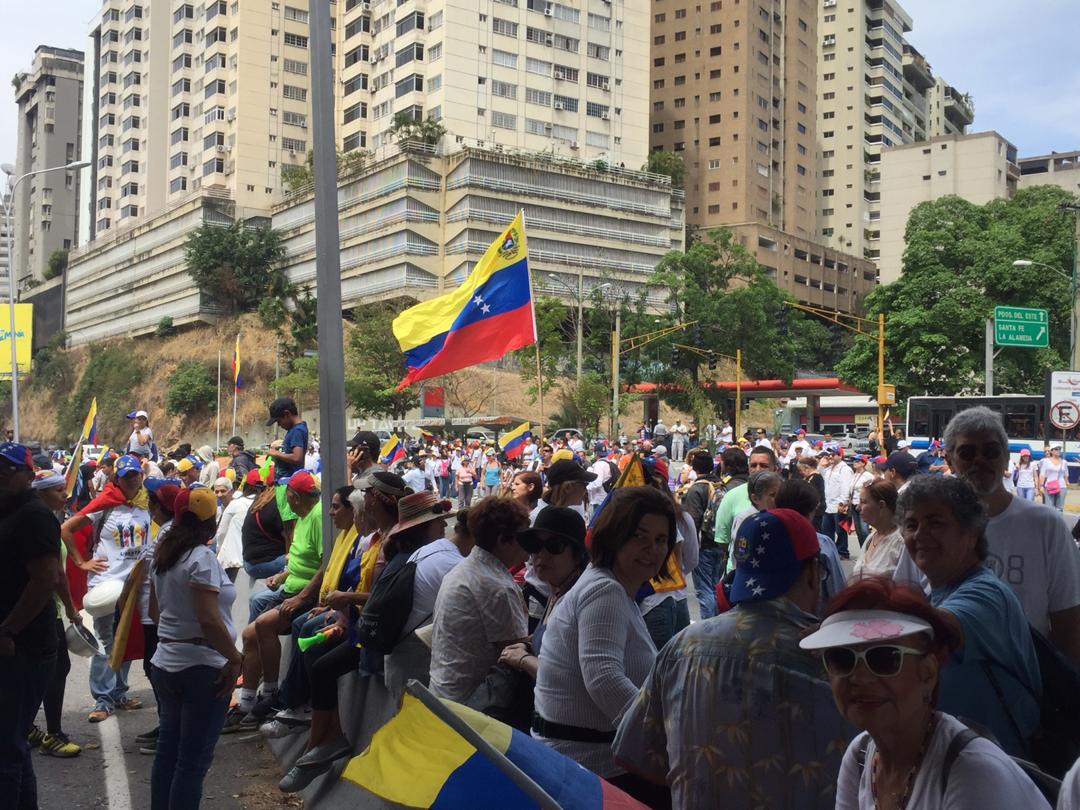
(164, 327)
(667, 163)
(296, 176)
(113, 371)
(958, 265)
(52, 368)
(554, 329)
(301, 381)
(58, 262)
(237, 266)
(373, 364)
(404, 128)
(191, 390)
(292, 318)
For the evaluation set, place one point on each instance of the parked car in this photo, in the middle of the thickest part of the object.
(566, 433)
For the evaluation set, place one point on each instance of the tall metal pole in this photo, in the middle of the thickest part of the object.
(1073, 349)
(615, 342)
(738, 394)
(217, 410)
(235, 395)
(880, 373)
(11, 315)
(327, 267)
(580, 317)
(989, 357)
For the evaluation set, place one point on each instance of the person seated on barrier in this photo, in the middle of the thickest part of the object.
(296, 589)
(421, 520)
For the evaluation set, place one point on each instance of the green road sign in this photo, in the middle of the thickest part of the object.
(1020, 326)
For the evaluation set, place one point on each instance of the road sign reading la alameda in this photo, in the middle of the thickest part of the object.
(1021, 326)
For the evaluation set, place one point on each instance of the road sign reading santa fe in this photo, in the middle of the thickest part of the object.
(1021, 326)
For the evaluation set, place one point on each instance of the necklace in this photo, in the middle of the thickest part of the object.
(903, 798)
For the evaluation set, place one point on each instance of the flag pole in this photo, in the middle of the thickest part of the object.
(218, 408)
(236, 388)
(499, 760)
(536, 342)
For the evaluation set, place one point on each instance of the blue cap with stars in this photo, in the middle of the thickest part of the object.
(769, 551)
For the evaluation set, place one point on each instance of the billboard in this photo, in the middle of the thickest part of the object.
(24, 334)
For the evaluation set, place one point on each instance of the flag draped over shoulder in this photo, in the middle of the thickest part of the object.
(483, 319)
(513, 442)
(452, 773)
(391, 451)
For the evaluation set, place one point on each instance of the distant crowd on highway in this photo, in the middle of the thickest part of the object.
(870, 630)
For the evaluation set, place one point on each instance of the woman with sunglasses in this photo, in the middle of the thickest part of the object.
(994, 677)
(884, 648)
(1053, 478)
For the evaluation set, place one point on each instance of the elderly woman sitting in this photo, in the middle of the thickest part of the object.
(993, 678)
(885, 650)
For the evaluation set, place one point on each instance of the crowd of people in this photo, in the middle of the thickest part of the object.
(551, 588)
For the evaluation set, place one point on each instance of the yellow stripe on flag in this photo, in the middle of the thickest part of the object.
(128, 603)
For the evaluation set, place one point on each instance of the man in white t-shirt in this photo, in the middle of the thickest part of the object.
(1031, 549)
(726, 432)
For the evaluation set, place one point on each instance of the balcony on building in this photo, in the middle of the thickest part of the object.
(917, 70)
(959, 108)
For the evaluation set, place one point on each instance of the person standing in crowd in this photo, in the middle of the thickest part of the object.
(679, 434)
(413, 475)
(899, 468)
(195, 666)
(597, 651)
(932, 460)
(491, 474)
(229, 537)
(289, 458)
(567, 485)
(431, 470)
(51, 488)
(743, 670)
(444, 475)
(884, 648)
(119, 533)
(995, 681)
(364, 450)
(465, 478)
(526, 489)
(885, 545)
(1024, 477)
(241, 461)
(30, 547)
(262, 534)
(700, 503)
(762, 489)
(479, 609)
(800, 496)
(1030, 547)
(737, 497)
(1053, 480)
(210, 471)
(862, 476)
(142, 437)
(837, 476)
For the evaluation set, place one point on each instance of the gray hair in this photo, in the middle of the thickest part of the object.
(956, 494)
(978, 419)
(356, 500)
(760, 482)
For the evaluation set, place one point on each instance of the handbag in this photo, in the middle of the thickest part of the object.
(505, 694)
(1052, 487)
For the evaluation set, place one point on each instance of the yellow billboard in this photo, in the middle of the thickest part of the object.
(24, 325)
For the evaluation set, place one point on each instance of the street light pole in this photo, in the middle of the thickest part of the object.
(1074, 355)
(9, 210)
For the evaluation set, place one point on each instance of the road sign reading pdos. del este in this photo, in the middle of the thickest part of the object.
(1021, 326)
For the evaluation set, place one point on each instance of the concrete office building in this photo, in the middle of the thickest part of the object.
(876, 91)
(979, 167)
(412, 223)
(50, 103)
(1056, 169)
(5, 262)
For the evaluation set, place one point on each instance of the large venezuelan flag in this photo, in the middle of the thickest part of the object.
(451, 773)
(483, 319)
(513, 442)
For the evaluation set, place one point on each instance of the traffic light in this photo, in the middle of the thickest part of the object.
(782, 319)
(745, 403)
(696, 334)
(712, 361)
(674, 355)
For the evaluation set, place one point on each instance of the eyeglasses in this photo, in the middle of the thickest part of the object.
(553, 546)
(991, 451)
(884, 661)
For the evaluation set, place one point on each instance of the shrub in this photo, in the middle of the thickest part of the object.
(191, 389)
(112, 373)
(164, 327)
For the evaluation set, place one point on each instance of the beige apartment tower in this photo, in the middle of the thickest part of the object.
(876, 92)
(50, 100)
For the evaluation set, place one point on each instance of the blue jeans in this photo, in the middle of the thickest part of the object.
(1027, 493)
(22, 686)
(261, 601)
(265, 569)
(706, 575)
(667, 619)
(107, 687)
(296, 688)
(1057, 500)
(191, 717)
(862, 531)
(830, 527)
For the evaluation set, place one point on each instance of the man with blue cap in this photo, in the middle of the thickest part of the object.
(29, 573)
(733, 707)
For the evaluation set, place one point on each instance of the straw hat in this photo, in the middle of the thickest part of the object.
(420, 507)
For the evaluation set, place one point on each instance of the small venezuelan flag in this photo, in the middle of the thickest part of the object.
(236, 364)
(452, 773)
(483, 319)
(513, 442)
(90, 425)
(391, 451)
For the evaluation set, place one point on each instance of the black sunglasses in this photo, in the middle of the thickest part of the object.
(991, 451)
(884, 661)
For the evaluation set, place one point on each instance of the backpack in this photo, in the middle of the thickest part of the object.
(613, 475)
(382, 621)
(1047, 785)
(707, 530)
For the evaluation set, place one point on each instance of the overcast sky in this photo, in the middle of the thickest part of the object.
(1015, 58)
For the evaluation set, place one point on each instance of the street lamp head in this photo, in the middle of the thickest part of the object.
(81, 164)
(7, 168)
(1023, 263)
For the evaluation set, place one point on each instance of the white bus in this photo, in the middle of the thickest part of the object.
(1024, 418)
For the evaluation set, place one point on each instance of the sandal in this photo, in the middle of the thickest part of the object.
(129, 704)
(97, 715)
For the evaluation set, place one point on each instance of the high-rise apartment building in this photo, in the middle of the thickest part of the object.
(876, 91)
(50, 119)
(1056, 169)
(5, 260)
(196, 97)
(979, 167)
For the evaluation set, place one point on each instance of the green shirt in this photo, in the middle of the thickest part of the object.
(305, 553)
(735, 501)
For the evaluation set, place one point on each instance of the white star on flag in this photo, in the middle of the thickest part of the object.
(764, 535)
(758, 591)
(761, 549)
(755, 562)
(478, 300)
(485, 309)
(750, 582)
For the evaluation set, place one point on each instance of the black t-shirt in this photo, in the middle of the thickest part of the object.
(263, 534)
(28, 531)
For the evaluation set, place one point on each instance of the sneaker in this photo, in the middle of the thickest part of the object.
(148, 747)
(249, 723)
(267, 705)
(301, 714)
(233, 720)
(129, 704)
(97, 715)
(277, 728)
(35, 736)
(58, 745)
(148, 736)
